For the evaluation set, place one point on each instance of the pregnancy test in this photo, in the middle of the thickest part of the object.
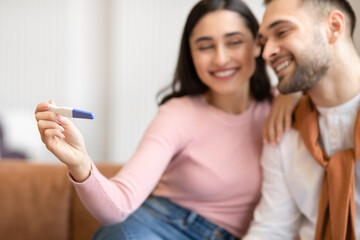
(71, 112)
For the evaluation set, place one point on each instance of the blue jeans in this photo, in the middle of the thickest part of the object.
(160, 219)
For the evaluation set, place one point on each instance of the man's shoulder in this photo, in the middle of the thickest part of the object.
(290, 141)
(290, 152)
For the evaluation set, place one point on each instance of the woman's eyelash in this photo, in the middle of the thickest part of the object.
(205, 48)
(236, 42)
(212, 46)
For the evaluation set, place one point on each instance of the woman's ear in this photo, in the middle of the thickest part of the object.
(335, 25)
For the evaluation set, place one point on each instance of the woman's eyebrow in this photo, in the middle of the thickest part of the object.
(210, 38)
(200, 39)
(234, 33)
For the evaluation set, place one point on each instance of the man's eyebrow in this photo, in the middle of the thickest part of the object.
(276, 23)
(260, 37)
(226, 35)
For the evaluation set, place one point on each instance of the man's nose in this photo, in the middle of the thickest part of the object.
(270, 51)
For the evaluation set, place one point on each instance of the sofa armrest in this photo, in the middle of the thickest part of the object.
(39, 202)
(35, 201)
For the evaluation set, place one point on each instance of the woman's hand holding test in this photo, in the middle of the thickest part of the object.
(64, 140)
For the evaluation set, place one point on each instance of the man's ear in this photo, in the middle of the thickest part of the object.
(335, 25)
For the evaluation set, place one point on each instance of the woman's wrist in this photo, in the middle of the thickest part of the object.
(81, 171)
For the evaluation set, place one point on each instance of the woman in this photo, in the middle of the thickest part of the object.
(196, 173)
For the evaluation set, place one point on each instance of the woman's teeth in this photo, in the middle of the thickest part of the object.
(224, 73)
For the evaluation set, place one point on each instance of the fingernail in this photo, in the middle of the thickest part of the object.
(60, 118)
(45, 105)
(61, 128)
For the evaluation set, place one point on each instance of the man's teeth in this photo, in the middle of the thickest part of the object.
(282, 66)
(224, 73)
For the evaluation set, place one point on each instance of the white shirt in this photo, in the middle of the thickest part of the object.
(292, 179)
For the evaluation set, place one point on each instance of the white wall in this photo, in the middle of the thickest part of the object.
(145, 42)
(52, 50)
(356, 6)
(107, 56)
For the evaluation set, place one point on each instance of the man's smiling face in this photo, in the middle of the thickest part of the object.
(294, 44)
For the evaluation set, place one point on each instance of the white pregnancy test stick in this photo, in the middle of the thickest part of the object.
(71, 112)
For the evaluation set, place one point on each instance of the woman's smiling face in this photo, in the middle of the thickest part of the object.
(223, 51)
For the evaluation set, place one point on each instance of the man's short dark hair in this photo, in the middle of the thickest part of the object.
(343, 5)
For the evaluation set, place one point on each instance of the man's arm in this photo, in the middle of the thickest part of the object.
(276, 217)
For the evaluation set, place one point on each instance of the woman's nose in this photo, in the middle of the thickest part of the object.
(222, 56)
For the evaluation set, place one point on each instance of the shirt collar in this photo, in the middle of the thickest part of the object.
(350, 107)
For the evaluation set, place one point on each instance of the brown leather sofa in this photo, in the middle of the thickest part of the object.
(38, 201)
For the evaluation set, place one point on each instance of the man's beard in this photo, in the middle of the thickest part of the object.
(309, 70)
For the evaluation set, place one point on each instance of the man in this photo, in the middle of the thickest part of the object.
(311, 187)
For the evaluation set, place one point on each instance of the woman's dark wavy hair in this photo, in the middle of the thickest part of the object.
(186, 81)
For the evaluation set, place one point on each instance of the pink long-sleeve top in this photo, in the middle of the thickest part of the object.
(196, 155)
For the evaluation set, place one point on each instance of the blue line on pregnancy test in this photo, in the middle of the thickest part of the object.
(71, 112)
